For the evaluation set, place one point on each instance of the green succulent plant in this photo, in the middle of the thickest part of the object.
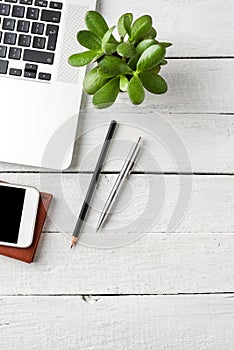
(130, 64)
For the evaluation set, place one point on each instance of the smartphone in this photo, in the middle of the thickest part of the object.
(18, 211)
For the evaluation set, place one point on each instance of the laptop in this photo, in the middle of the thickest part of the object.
(40, 92)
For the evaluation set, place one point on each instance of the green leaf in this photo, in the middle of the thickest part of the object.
(112, 66)
(110, 48)
(126, 50)
(136, 91)
(96, 23)
(107, 36)
(153, 82)
(106, 96)
(83, 58)
(133, 62)
(154, 70)
(123, 83)
(151, 58)
(127, 23)
(124, 24)
(93, 81)
(151, 34)
(163, 63)
(144, 44)
(89, 40)
(164, 44)
(141, 27)
(106, 75)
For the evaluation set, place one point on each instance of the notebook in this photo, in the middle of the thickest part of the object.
(27, 254)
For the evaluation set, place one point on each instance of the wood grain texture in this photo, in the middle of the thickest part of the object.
(171, 143)
(146, 204)
(201, 28)
(205, 87)
(195, 86)
(101, 323)
(154, 264)
(190, 129)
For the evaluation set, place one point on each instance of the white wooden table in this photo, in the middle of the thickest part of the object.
(146, 281)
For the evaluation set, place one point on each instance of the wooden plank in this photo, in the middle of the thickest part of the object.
(195, 86)
(104, 323)
(166, 123)
(171, 142)
(148, 203)
(203, 28)
(154, 264)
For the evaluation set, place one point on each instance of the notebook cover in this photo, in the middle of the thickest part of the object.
(27, 254)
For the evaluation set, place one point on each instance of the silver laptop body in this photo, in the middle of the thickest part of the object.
(40, 93)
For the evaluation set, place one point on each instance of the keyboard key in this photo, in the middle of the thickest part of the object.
(8, 24)
(15, 53)
(32, 13)
(52, 29)
(26, 2)
(37, 28)
(0, 36)
(52, 40)
(3, 66)
(3, 50)
(39, 42)
(31, 67)
(4, 9)
(29, 74)
(9, 38)
(18, 11)
(10, 0)
(23, 26)
(38, 56)
(51, 44)
(50, 16)
(24, 40)
(15, 71)
(44, 76)
(56, 5)
(52, 32)
(41, 3)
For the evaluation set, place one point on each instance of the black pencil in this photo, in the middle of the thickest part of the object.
(94, 180)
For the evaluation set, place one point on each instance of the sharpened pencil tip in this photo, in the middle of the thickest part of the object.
(73, 241)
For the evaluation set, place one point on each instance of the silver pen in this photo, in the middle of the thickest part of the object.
(125, 171)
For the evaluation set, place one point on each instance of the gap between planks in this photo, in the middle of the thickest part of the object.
(68, 295)
(64, 173)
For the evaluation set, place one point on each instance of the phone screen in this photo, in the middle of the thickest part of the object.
(11, 207)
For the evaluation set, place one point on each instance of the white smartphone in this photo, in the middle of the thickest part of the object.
(18, 211)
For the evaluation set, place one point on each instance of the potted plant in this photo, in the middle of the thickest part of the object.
(130, 64)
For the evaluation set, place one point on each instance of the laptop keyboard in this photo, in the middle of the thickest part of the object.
(28, 38)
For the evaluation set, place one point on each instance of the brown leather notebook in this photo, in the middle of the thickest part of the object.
(27, 254)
